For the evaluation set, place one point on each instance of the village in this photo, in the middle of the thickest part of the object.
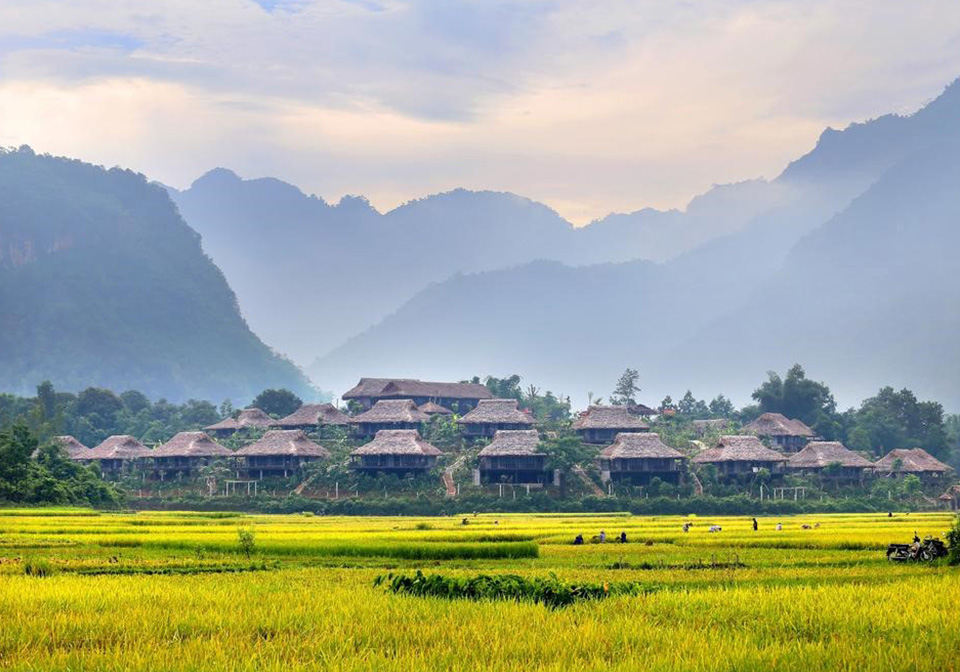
(386, 425)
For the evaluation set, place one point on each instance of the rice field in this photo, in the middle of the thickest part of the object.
(175, 591)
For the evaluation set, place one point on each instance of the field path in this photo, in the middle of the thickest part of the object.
(448, 481)
(585, 477)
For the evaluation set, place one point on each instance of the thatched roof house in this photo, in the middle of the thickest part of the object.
(397, 451)
(72, 447)
(248, 417)
(817, 456)
(951, 498)
(280, 452)
(514, 455)
(639, 457)
(741, 455)
(432, 409)
(601, 424)
(116, 453)
(389, 414)
(313, 416)
(462, 396)
(492, 415)
(902, 461)
(788, 435)
(186, 452)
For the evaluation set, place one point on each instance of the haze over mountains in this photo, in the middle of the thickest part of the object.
(845, 263)
(853, 274)
(460, 284)
(103, 284)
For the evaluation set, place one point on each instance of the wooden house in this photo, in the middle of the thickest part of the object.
(248, 417)
(601, 424)
(460, 397)
(279, 452)
(389, 414)
(830, 459)
(492, 415)
(638, 458)
(117, 454)
(951, 498)
(186, 453)
(786, 435)
(395, 451)
(902, 462)
(514, 456)
(311, 417)
(737, 455)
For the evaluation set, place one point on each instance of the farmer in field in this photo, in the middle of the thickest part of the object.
(603, 536)
(578, 540)
(686, 527)
(754, 524)
(623, 537)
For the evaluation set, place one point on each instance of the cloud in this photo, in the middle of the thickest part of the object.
(590, 107)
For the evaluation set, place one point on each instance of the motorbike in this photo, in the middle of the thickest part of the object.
(927, 550)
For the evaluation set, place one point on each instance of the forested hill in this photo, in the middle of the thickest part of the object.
(102, 283)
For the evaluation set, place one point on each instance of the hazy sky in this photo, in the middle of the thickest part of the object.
(591, 106)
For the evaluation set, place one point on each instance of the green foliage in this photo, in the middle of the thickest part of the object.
(246, 540)
(898, 420)
(546, 408)
(39, 567)
(953, 543)
(114, 290)
(565, 451)
(278, 403)
(798, 397)
(627, 388)
(549, 591)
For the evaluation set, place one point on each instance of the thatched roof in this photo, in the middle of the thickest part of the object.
(609, 417)
(819, 454)
(253, 417)
(284, 442)
(313, 414)
(775, 424)
(738, 449)
(496, 411)
(191, 444)
(118, 447)
(407, 387)
(392, 410)
(634, 445)
(641, 409)
(520, 442)
(431, 408)
(225, 424)
(397, 442)
(71, 446)
(953, 492)
(915, 461)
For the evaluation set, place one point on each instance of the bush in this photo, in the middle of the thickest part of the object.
(953, 543)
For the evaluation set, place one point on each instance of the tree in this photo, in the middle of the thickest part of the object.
(565, 452)
(798, 397)
(135, 401)
(667, 404)
(246, 539)
(898, 419)
(627, 389)
(721, 407)
(277, 402)
(504, 388)
(99, 402)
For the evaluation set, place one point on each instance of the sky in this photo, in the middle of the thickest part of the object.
(590, 106)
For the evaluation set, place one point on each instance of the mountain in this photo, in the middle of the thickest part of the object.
(346, 266)
(851, 271)
(102, 283)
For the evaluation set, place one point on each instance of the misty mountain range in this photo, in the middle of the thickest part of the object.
(749, 277)
(844, 262)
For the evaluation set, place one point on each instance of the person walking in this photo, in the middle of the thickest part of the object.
(754, 524)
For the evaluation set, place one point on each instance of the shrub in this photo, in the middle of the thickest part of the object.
(953, 543)
(247, 540)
